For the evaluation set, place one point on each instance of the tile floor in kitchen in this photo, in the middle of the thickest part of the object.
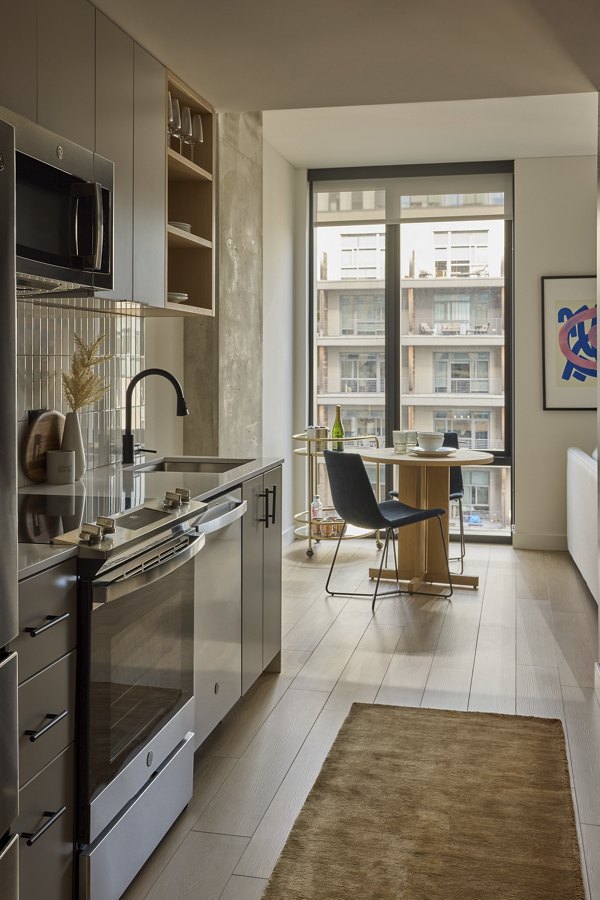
(524, 643)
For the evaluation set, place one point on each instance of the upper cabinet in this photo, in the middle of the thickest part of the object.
(149, 178)
(114, 140)
(66, 70)
(68, 67)
(190, 201)
(18, 58)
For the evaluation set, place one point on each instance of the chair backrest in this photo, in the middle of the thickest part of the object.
(351, 490)
(456, 479)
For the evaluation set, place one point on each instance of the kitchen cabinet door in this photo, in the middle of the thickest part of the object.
(252, 581)
(46, 857)
(18, 58)
(149, 179)
(272, 571)
(114, 141)
(66, 70)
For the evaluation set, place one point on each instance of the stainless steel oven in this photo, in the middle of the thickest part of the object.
(135, 703)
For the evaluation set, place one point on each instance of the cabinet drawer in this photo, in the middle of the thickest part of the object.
(46, 856)
(46, 708)
(47, 607)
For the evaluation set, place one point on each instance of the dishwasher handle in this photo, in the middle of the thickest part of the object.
(221, 516)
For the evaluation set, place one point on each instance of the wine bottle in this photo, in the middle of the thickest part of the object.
(338, 429)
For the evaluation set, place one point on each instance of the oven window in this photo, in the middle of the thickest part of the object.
(141, 670)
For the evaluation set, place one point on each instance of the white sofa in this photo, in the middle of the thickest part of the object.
(582, 514)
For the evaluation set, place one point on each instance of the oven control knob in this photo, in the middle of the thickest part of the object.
(106, 524)
(172, 500)
(184, 494)
(90, 534)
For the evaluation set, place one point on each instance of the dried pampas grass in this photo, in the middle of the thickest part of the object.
(82, 386)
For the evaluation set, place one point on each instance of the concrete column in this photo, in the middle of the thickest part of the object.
(224, 355)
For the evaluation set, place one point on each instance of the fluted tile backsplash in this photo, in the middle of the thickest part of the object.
(44, 348)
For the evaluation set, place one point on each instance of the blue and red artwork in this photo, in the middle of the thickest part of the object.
(577, 341)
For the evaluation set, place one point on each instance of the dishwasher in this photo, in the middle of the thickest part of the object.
(218, 613)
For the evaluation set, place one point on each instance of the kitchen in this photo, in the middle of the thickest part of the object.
(211, 357)
(191, 542)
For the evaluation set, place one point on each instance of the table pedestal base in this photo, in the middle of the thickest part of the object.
(414, 583)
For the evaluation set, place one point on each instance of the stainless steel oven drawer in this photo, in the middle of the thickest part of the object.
(45, 826)
(46, 716)
(107, 866)
(47, 618)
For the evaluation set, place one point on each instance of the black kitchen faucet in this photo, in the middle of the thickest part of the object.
(182, 410)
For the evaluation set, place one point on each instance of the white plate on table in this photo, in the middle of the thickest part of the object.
(441, 451)
(183, 226)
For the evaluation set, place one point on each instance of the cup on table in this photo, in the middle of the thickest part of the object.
(399, 440)
(411, 440)
(430, 440)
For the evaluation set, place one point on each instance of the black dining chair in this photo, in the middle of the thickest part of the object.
(457, 492)
(355, 502)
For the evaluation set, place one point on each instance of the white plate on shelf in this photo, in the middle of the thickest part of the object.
(441, 451)
(175, 297)
(183, 226)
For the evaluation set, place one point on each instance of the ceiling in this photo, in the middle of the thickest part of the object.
(344, 82)
(453, 131)
(271, 55)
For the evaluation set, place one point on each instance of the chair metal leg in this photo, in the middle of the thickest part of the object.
(383, 556)
(443, 540)
(463, 548)
(371, 597)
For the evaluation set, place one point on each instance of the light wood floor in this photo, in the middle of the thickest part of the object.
(524, 643)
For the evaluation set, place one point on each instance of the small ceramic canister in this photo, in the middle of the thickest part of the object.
(60, 466)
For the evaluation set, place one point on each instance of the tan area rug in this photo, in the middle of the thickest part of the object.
(432, 804)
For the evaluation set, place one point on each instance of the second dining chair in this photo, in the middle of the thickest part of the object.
(355, 502)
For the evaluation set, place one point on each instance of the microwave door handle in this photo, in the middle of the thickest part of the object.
(98, 225)
(106, 590)
(75, 223)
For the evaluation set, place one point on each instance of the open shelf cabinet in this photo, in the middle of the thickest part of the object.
(191, 199)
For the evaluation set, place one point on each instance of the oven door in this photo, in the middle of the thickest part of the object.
(136, 676)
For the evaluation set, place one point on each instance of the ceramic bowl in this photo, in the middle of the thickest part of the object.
(430, 440)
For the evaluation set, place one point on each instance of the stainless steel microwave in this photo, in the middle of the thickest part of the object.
(64, 214)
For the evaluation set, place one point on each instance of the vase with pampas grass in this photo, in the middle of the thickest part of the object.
(82, 386)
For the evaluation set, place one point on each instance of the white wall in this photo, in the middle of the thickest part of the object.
(163, 342)
(278, 332)
(555, 234)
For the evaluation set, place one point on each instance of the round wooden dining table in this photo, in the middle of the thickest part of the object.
(424, 482)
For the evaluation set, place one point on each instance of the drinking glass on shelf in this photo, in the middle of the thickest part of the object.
(176, 126)
(186, 126)
(197, 132)
(169, 116)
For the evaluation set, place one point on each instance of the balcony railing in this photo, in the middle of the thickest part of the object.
(493, 326)
(362, 386)
(471, 386)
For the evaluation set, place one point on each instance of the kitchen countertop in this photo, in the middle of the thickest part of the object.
(35, 558)
(48, 510)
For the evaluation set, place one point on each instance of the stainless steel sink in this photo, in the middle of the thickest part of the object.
(193, 464)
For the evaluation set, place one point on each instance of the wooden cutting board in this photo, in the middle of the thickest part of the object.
(43, 434)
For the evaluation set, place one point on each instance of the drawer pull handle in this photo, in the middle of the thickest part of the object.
(50, 623)
(55, 718)
(32, 837)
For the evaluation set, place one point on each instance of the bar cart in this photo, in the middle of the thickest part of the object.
(329, 528)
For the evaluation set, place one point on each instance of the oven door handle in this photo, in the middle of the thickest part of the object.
(106, 590)
(221, 516)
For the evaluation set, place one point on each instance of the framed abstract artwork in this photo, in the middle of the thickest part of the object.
(569, 342)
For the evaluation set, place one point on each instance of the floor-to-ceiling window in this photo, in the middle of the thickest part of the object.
(418, 337)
